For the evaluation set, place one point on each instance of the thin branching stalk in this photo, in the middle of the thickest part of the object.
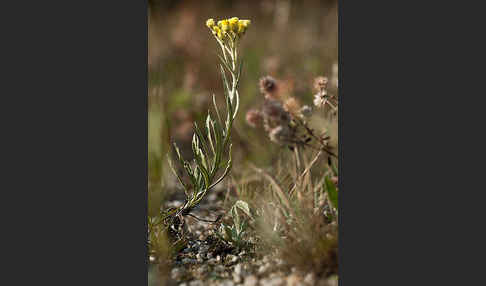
(211, 145)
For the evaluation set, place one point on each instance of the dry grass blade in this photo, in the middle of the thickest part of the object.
(274, 183)
(306, 170)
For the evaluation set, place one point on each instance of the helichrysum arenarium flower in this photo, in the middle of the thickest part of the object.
(242, 26)
(210, 23)
(233, 27)
(233, 24)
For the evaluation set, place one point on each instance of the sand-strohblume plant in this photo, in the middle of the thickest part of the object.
(211, 145)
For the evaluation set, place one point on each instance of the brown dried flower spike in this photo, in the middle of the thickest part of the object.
(320, 83)
(268, 86)
(254, 118)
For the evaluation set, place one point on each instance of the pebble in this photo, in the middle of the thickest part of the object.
(264, 268)
(189, 261)
(196, 283)
(203, 270)
(278, 281)
(237, 278)
(204, 248)
(231, 258)
(251, 280)
(280, 262)
(266, 259)
(310, 279)
(212, 197)
(177, 273)
(227, 283)
(333, 281)
(238, 269)
(294, 280)
(219, 268)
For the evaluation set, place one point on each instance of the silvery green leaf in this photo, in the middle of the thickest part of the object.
(236, 217)
(216, 108)
(244, 207)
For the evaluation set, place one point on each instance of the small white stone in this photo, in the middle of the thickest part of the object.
(231, 258)
(177, 273)
(237, 278)
(251, 280)
(310, 278)
(264, 268)
(227, 283)
(278, 281)
(196, 283)
(188, 261)
(238, 269)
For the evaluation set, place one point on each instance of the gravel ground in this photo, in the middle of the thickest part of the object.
(208, 261)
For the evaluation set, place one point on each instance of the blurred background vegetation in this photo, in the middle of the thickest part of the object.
(293, 41)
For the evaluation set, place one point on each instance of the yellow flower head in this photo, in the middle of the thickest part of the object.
(218, 32)
(234, 26)
(246, 23)
(233, 23)
(210, 23)
(242, 26)
(224, 25)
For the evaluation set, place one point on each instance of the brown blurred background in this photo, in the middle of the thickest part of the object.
(293, 41)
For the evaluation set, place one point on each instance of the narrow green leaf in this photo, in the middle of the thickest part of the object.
(208, 131)
(171, 165)
(331, 192)
(216, 108)
(201, 138)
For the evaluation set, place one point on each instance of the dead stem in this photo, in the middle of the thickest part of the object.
(307, 170)
(273, 181)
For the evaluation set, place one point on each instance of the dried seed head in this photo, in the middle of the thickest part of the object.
(292, 106)
(268, 85)
(274, 110)
(319, 100)
(274, 115)
(254, 118)
(306, 110)
(320, 83)
(279, 134)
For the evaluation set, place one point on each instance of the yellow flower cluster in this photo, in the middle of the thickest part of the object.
(232, 27)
